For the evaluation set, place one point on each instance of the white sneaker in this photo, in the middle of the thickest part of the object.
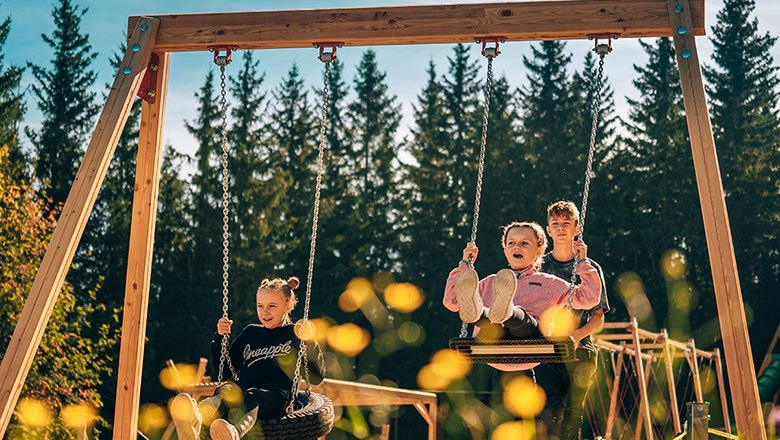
(186, 417)
(504, 286)
(467, 292)
(221, 429)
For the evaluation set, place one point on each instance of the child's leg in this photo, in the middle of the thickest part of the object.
(581, 375)
(521, 325)
(186, 417)
(221, 429)
(263, 403)
(467, 293)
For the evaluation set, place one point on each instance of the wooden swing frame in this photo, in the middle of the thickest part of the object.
(151, 40)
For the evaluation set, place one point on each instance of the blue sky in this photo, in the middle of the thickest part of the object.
(106, 21)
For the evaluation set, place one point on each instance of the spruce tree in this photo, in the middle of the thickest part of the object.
(63, 94)
(204, 268)
(293, 161)
(554, 152)
(462, 94)
(652, 175)
(11, 106)
(374, 117)
(743, 90)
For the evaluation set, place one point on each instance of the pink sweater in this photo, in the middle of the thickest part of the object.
(536, 292)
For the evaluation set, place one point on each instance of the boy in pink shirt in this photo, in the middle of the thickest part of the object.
(516, 298)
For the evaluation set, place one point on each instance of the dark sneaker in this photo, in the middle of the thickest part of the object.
(186, 418)
(221, 429)
(467, 292)
(504, 286)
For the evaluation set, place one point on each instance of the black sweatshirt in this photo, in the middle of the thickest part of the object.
(263, 358)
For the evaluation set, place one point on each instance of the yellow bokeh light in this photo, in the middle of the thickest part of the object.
(632, 290)
(427, 379)
(173, 378)
(674, 265)
(349, 339)
(305, 330)
(381, 280)
(490, 332)
(410, 333)
(404, 297)
(152, 418)
(523, 398)
(514, 431)
(33, 413)
(450, 365)
(231, 394)
(78, 416)
(321, 328)
(558, 322)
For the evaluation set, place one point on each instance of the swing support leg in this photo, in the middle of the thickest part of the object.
(728, 294)
(668, 365)
(613, 398)
(73, 219)
(139, 258)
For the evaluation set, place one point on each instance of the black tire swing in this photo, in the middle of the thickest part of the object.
(309, 415)
(537, 350)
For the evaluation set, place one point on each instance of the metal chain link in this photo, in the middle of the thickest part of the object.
(224, 355)
(483, 143)
(480, 167)
(302, 355)
(589, 171)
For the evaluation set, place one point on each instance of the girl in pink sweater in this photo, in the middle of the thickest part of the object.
(516, 298)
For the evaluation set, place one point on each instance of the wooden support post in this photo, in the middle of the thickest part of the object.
(640, 374)
(640, 421)
(724, 403)
(731, 310)
(70, 225)
(693, 362)
(613, 396)
(669, 365)
(139, 258)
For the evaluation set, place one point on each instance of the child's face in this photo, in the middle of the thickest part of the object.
(272, 307)
(521, 248)
(561, 229)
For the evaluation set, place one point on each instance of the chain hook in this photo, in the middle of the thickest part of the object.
(602, 48)
(223, 60)
(327, 56)
(490, 51)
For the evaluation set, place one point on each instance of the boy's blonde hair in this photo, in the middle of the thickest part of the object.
(565, 209)
(536, 228)
(287, 287)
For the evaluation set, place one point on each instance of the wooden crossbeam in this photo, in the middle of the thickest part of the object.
(399, 25)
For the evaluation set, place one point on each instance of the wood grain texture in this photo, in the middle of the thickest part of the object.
(139, 258)
(70, 225)
(728, 293)
(401, 25)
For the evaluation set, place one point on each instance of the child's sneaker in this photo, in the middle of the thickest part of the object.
(221, 429)
(186, 418)
(504, 286)
(467, 292)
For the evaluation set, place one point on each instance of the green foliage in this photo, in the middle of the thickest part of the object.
(69, 365)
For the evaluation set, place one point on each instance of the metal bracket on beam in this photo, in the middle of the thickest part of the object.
(490, 51)
(602, 48)
(148, 89)
(327, 56)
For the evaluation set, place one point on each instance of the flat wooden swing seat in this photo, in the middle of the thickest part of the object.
(515, 351)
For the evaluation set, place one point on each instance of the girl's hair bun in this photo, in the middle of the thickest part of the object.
(293, 282)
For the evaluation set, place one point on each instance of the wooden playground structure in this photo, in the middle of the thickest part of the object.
(144, 71)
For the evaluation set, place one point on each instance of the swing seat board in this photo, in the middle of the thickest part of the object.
(515, 351)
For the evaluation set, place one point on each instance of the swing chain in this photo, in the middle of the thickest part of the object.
(595, 110)
(483, 143)
(302, 355)
(224, 355)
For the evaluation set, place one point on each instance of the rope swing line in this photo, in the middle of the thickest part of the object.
(489, 53)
